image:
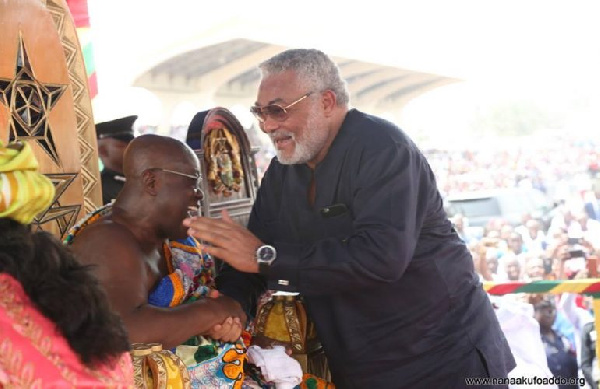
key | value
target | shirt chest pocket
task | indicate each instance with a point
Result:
(335, 221)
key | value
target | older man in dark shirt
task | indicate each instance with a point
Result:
(349, 215)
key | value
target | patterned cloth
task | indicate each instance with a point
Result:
(23, 191)
(310, 381)
(211, 364)
(33, 354)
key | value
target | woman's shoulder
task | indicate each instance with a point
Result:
(39, 355)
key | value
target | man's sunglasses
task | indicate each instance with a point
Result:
(197, 178)
(275, 111)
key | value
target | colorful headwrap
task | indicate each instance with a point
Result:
(23, 191)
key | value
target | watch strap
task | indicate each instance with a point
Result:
(264, 268)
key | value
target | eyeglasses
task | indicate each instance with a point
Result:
(197, 178)
(275, 111)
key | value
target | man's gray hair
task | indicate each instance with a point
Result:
(312, 66)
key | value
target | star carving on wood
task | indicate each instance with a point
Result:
(29, 102)
(64, 215)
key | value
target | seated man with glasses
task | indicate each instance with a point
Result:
(156, 277)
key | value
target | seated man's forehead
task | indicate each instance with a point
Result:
(183, 165)
(189, 159)
(194, 167)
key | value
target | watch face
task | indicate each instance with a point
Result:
(265, 254)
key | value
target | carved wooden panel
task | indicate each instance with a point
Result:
(44, 100)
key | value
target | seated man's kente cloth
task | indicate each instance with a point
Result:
(211, 364)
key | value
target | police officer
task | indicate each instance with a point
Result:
(113, 137)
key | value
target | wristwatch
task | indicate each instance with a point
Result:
(265, 255)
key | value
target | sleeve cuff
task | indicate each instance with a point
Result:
(283, 272)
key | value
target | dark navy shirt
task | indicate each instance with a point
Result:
(388, 283)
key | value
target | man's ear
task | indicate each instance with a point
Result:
(102, 152)
(329, 101)
(150, 182)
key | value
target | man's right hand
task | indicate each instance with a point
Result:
(229, 307)
(231, 328)
(229, 331)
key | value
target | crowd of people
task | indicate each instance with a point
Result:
(566, 247)
(555, 164)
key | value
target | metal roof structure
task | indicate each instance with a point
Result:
(227, 70)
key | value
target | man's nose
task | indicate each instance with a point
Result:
(269, 125)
